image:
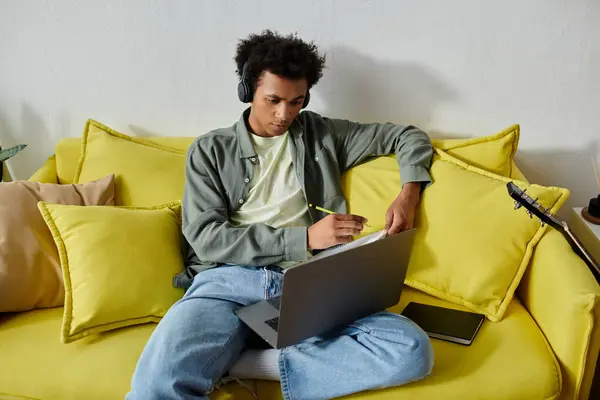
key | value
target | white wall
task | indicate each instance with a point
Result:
(465, 68)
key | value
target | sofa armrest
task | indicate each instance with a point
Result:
(47, 172)
(562, 295)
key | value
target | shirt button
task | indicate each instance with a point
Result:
(247, 180)
(316, 158)
(241, 201)
(253, 159)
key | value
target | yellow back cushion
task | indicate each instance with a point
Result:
(471, 247)
(68, 150)
(117, 263)
(494, 153)
(146, 173)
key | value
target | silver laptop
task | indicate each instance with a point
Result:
(322, 294)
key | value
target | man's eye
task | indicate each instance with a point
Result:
(272, 101)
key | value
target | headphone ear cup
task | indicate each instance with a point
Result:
(244, 92)
(244, 88)
(306, 100)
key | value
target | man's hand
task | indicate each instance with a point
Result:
(334, 229)
(400, 215)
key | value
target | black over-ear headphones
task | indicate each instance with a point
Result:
(244, 88)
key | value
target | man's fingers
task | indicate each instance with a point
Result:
(351, 217)
(345, 239)
(347, 232)
(342, 240)
(398, 226)
(389, 217)
(351, 224)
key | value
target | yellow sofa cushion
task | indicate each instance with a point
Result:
(68, 151)
(471, 247)
(146, 172)
(100, 366)
(488, 369)
(47, 173)
(562, 293)
(118, 264)
(494, 153)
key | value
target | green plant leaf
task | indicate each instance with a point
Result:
(8, 153)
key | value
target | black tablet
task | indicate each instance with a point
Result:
(445, 323)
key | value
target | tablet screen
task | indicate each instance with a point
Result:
(445, 323)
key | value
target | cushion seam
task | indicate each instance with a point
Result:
(83, 150)
(112, 325)
(590, 307)
(483, 139)
(511, 130)
(64, 264)
(556, 364)
(515, 145)
(20, 396)
(135, 140)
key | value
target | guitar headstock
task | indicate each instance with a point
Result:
(522, 199)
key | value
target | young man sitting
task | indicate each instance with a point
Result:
(246, 218)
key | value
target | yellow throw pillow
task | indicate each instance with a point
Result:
(118, 264)
(494, 153)
(146, 173)
(471, 247)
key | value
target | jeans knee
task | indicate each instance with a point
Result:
(420, 356)
(407, 354)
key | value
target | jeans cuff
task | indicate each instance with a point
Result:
(285, 388)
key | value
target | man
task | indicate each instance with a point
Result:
(246, 218)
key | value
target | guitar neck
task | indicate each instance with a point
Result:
(533, 207)
(580, 250)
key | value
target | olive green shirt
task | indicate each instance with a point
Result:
(219, 170)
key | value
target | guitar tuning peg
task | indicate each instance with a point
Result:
(530, 214)
(517, 205)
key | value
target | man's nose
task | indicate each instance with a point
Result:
(283, 111)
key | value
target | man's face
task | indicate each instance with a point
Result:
(277, 101)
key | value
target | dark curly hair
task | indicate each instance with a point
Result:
(286, 56)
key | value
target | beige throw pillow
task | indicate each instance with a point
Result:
(30, 274)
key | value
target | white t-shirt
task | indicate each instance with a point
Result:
(275, 197)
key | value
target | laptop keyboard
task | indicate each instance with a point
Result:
(273, 323)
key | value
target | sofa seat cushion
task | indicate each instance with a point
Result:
(508, 360)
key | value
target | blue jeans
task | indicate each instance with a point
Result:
(200, 338)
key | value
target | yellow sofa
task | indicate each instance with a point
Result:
(545, 347)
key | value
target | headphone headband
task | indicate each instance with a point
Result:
(245, 72)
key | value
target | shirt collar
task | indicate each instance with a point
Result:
(246, 149)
